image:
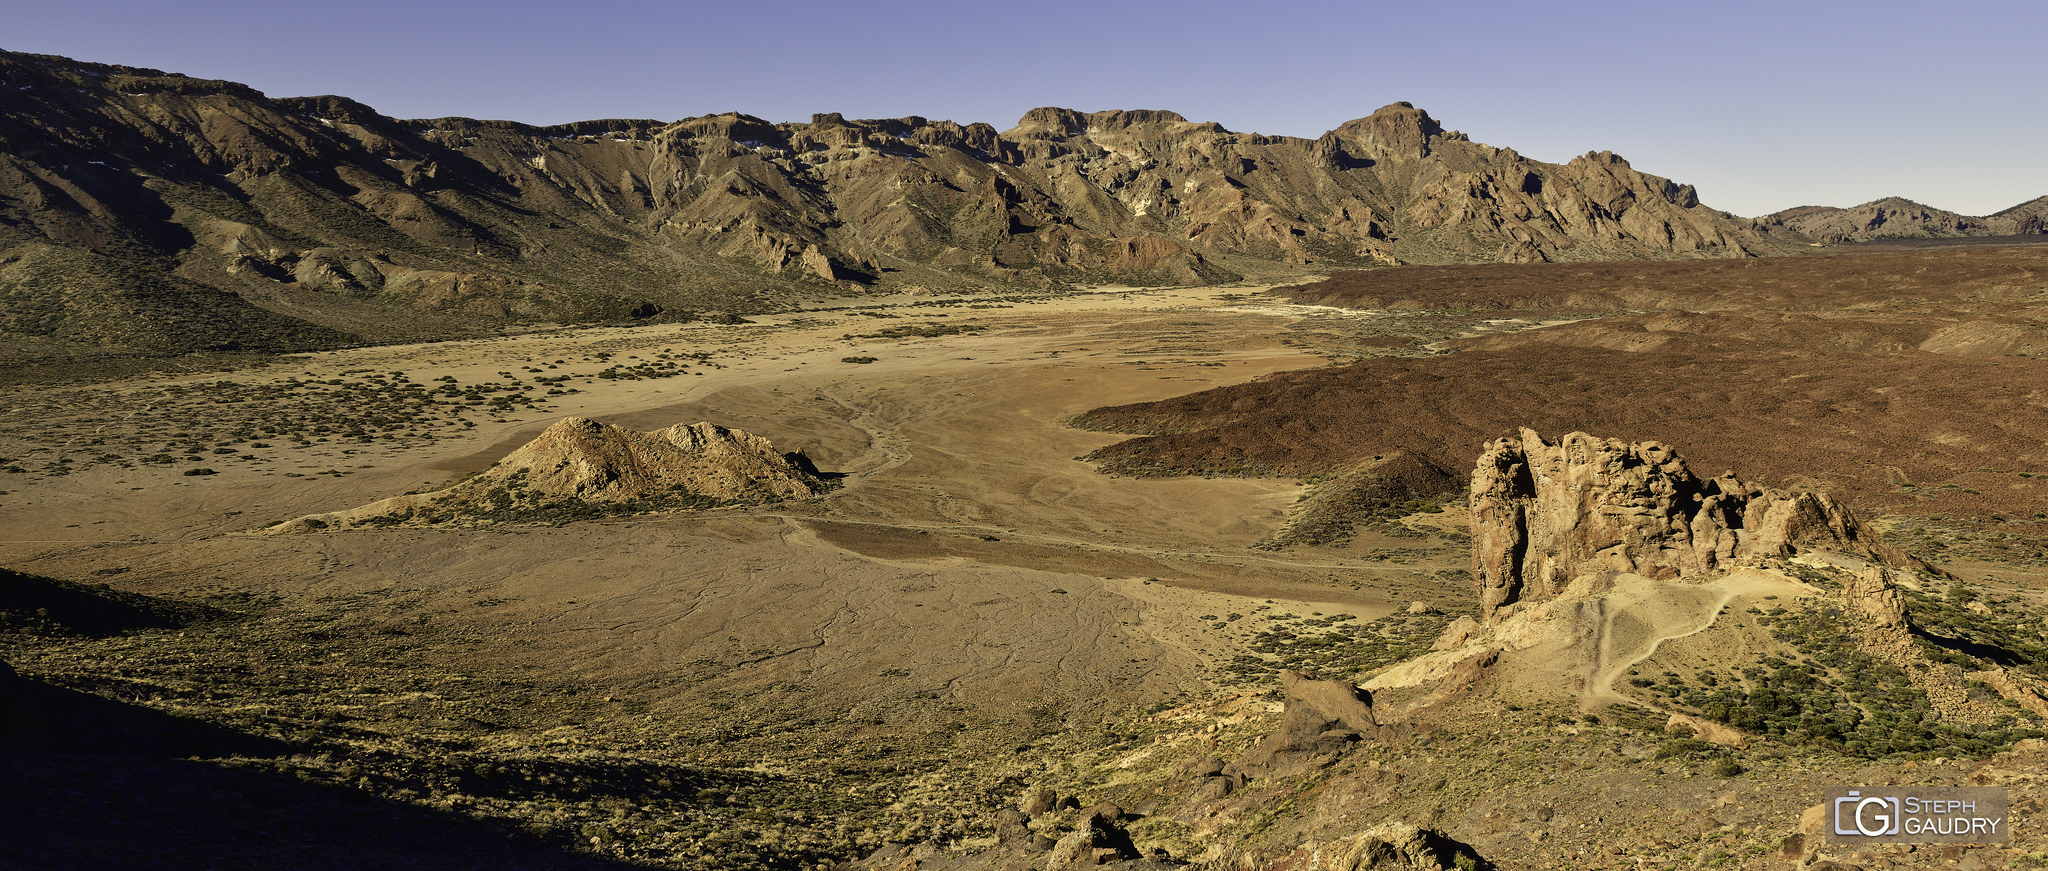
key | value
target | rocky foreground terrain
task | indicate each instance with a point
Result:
(1639, 648)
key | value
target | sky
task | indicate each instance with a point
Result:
(1762, 106)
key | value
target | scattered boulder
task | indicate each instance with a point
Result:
(1036, 804)
(1013, 833)
(1107, 810)
(579, 466)
(1457, 634)
(1322, 718)
(1205, 766)
(1392, 844)
(2027, 692)
(1793, 848)
(1210, 775)
(1099, 840)
(1546, 513)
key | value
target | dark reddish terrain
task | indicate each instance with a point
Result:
(1906, 381)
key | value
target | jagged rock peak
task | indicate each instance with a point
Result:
(1545, 513)
(1396, 130)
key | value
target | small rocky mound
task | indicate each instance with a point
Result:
(580, 467)
(1544, 514)
(1322, 719)
(1374, 492)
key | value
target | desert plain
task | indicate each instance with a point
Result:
(1073, 537)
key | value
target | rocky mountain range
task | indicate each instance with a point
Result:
(150, 212)
(1899, 218)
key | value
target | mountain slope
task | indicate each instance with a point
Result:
(148, 212)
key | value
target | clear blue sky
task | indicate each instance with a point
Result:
(1764, 106)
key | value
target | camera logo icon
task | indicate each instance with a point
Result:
(1869, 816)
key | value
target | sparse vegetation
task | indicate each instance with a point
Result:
(1329, 647)
(920, 331)
(1836, 695)
(394, 708)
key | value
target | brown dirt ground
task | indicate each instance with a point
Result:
(1833, 372)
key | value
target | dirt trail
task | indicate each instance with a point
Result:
(1641, 615)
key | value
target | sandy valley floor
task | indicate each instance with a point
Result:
(970, 552)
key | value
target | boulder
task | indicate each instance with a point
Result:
(1457, 634)
(1036, 803)
(1013, 833)
(1392, 844)
(1321, 719)
(1099, 840)
(1871, 597)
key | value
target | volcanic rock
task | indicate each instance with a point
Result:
(580, 466)
(1392, 844)
(1544, 514)
(1035, 803)
(1013, 832)
(1099, 840)
(1871, 597)
(1321, 719)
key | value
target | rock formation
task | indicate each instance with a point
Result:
(1544, 514)
(579, 466)
(1321, 719)
(1099, 839)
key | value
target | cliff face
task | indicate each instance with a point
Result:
(183, 214)
(1545, 513)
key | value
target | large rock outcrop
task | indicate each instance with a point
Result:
(579, 467)
(1545, 513)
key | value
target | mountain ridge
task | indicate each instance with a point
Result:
(144, 212)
